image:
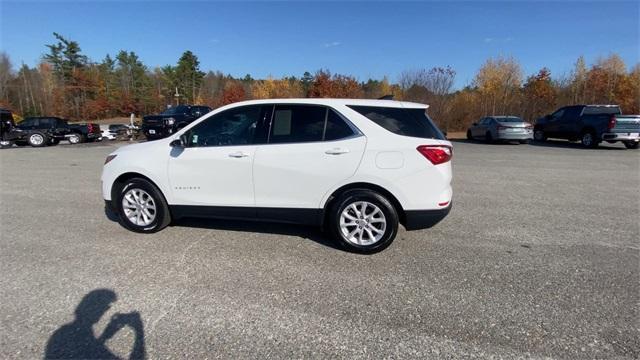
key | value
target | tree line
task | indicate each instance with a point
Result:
(67, 83)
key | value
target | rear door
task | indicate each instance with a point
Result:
(310, 149)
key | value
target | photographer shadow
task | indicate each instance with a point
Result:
(76, 340)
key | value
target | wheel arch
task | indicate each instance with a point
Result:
(368, 186)
(123, 178)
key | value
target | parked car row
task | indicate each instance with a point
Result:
(589, 124)
(50, 130)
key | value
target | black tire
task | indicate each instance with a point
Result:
(631, 144)
(588, 139)
(6, 144)
(37, 139)
(76, 138)
(539, 135)
(162, 216)
(352, 197)
(469, 136)
(488, 137)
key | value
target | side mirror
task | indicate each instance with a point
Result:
(177, 143)
(475, 124)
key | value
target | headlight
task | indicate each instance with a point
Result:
(171, 121)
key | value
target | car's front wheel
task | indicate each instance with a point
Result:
(363, 221)
(631, 144)
(142, 207)
(539, 135)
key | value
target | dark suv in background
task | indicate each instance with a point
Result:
(171, 120)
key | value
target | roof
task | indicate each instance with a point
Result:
(337, 102)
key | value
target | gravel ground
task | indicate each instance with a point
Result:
(538, 258)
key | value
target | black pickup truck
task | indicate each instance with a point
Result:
(591, 124)
(171, 120)
(47, 130)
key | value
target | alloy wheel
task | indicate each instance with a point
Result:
(139, 207)
(36, 139)
(362, 223)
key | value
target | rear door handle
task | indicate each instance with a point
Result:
(238, 154)
(337, 151)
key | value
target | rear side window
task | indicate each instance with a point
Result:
(306, 123)
(401, 121)
(597, 110)
(336, 128)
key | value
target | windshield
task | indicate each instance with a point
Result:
(510, 119)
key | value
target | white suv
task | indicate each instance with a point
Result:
(356, 167)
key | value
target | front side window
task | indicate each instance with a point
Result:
(232, 127)
(557, 115)
(401, 121)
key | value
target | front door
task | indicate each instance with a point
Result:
(215, 166)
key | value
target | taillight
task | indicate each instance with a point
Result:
(612, 122)
(528, 126)
(437, 154)
(90, 127)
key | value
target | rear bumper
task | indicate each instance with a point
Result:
(621, 136)
(516, 136)
(423, 219)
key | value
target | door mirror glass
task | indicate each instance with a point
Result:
(177, 143)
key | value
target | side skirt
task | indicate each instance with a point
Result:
(284, 215)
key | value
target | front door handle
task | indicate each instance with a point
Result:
(238, 154)
(337, 151)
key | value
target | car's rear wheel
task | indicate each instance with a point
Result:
(75, 138)
(142, 207)
(469, 136)
(363, 221)
(588, 139)
(37, 139)
(631, 144)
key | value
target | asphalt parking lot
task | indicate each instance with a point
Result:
(540, 257)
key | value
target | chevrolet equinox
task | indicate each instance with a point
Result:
(358, 168)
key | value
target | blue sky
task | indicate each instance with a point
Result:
(364, 39)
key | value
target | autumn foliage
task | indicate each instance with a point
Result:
(66, 83)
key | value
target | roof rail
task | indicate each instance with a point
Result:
(386, 97)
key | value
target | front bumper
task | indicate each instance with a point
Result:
(156, 132)
(423, 219)
(621, 136)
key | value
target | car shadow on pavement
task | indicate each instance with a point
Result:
(574, 145)
(549, 143)
(76, 340)
(306, 232)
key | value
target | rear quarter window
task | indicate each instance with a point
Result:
(401, 121)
